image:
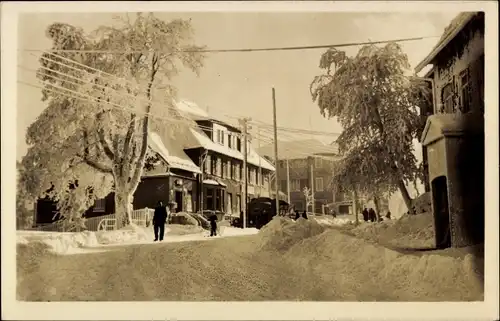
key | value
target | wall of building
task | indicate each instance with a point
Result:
(465, 51)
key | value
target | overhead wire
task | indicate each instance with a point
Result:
(348, 44)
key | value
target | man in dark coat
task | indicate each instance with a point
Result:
(159, 219)
(365, 214)
(213, 225)
(372, 215)
(297, 215)
(304, 215)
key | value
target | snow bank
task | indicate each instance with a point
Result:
(281, 233)
(60, 243)
(334, 221)
(408, 231)
(365, 270)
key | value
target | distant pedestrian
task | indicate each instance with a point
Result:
(213, 225)
(304, 215)
(159, 219)
(297, 215)
(371, 215)
(388, 215)
(365, 214)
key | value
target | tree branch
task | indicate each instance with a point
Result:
(145, 126)
(86, 159)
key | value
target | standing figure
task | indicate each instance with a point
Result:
(304, 215)
(388, 215)
(213, 225)
(159, 219)
(297, 215)
(371, 214)
(365, 214)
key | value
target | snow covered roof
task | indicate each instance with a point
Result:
(253, 158)
(191, 109)
(172, 153)
(450, 32)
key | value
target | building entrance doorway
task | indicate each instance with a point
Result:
(441, 212)
(179, 201)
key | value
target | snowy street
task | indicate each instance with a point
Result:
(286, 260)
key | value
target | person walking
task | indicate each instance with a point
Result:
(365, 214)
(371, 214)
(159, 219)
(213, 225)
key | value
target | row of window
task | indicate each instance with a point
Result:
(297, 185)
(215, 201)
(470, 86)
(319, 162)
(233, 141)
(227, 169)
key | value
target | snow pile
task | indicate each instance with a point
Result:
(234, 231)
(408, 231)
(333, 221)
(183, 219)
(282, 233)
(365, 271)
(61, 243)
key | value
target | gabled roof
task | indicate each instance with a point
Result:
(203, 141)
(171, 152)
(450, 32)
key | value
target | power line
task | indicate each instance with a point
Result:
(349, 44)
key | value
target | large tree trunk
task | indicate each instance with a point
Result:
(406, 196)
(355, 208)
(123, 208)
(376, 200)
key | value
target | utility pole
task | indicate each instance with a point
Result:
(276, 154)
(312, 186)
(261, 181)
(244, 122)
(288, 181)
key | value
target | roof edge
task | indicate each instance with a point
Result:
(443, 43)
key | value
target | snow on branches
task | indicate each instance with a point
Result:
(377, 104)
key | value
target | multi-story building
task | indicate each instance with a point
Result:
(453, 137)
(308, 164)
(456, 71)
(198, 165)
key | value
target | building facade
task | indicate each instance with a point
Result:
(218, 151)
(453, 137)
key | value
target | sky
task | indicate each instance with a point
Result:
(240, 84)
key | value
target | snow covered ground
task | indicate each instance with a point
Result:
(85, 242)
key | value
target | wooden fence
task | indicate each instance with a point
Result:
(106, 222)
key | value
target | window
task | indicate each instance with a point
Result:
(229, 206)
(209, 204)
(319, 184)
(219, 200)
(229, 172)
(238, 203)
(219, 167)
(253, 176)
(318, 162)
(237, 172)
(223, 172)
(447, 98)
(465, 90)
(238, 144)
(214, 165)
(99, 206)
(220, 136)
(208, 165)
(230, 141)
(295, 185)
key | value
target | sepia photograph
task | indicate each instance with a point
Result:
(250, 156)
